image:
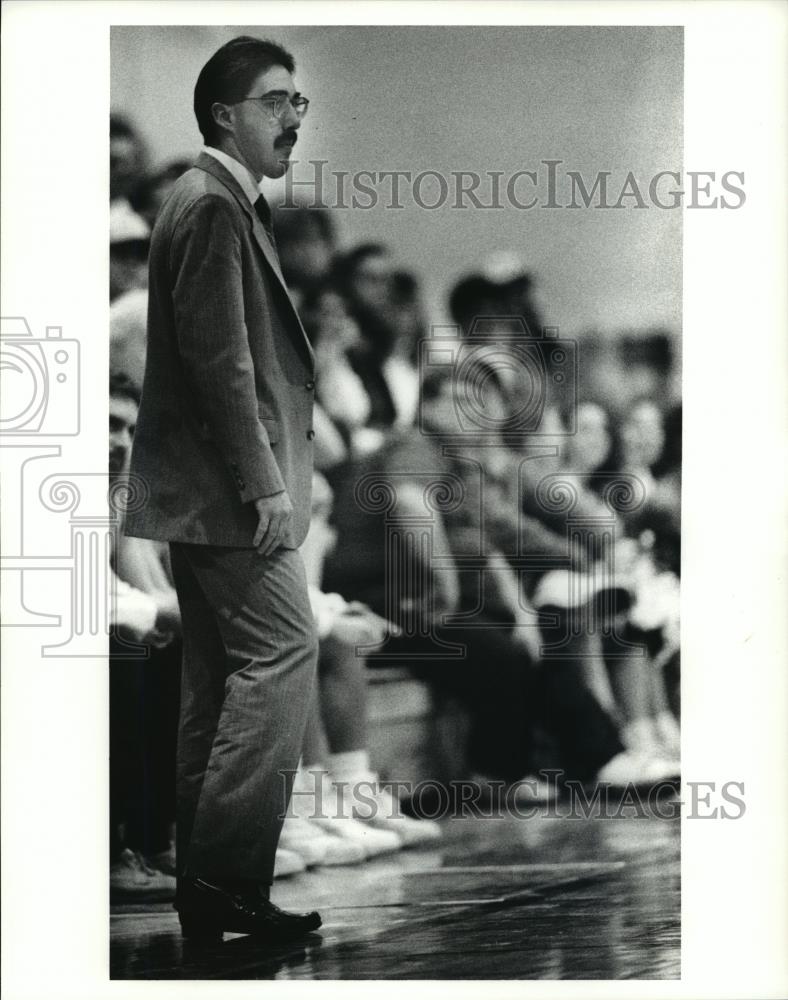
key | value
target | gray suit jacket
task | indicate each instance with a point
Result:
(226, 410)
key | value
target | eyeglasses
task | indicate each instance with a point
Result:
(280, 104)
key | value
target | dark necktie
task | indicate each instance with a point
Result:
(263, 212)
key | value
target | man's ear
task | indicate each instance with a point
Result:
(223, 116)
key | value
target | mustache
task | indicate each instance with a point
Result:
(289, 138)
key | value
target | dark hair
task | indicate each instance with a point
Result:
(312, 295)
(405, 287)
(478, 297)
(469, 297)
(121, 128)
(229, 73)
(142, 198)
(121, 385)
(433, 383)
(294, 223)
(670, 459)
(126, 167)
(653, 349)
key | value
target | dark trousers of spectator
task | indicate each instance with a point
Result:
(523, 716)
(143, 700)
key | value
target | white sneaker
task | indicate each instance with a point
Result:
(641, 737)
(530, 790)
(533, 790)
(132, 878)
(374, 842)
(316, 846)
(287, 863)
(164, 861)
(630, 768)
(384, 812)
(669, 733)
(317, 799)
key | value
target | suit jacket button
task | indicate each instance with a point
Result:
(310, 385)
(310, 434)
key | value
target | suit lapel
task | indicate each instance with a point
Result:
(212, 166)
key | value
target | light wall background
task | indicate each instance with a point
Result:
(483, 99)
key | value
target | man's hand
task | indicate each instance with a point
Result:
(274, 521)
(158, 638)
(168, 619)
(527, 637)
(358, 625)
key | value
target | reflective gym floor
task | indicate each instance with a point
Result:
(537, 898)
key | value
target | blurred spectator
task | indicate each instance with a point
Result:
(408, 313)
(330, 446)
(642, 447)
(497, 307)
(502, 289)
(647, 360)
(336, 762)
(128, 336)
(133, 614)
(617, 368)
(637, 447)
(642, 440)
(497, 515)
(471, 298)
(143, 683)
(654, 620)
(129, 241)
(306, 243)
(363, 276)
(383, 303)
(588, 449)
(669, 463)
(340, 392)
(647, 633)
(505, 689)
(491, 474)
(151, 191)
(127, 157)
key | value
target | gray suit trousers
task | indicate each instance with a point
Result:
(249, 660)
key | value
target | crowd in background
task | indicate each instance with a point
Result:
(566, 614)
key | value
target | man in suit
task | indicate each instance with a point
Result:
(224, 444)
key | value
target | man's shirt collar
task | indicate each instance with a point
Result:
(248, 184)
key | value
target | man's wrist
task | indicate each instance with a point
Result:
(268, 496)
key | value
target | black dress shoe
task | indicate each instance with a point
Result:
(207, 910)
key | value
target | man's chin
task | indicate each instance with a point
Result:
(282, 165)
